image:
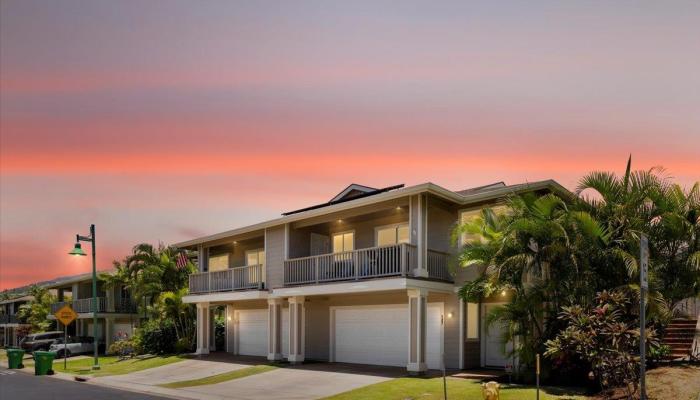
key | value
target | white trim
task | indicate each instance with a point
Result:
(462, 333)
(226, 296)
(363, 287)
(264, 267)
(393, 194)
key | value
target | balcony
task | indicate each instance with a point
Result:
(369, 263)
(124, 306)
(8, 319)
(239, 278)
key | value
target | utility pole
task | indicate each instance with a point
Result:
(643, 287)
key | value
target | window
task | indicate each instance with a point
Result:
(393, 234)
(218, 263)
(470, 215)
(472, 320)
(343, 241)
(255, 257)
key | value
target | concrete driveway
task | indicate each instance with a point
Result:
(308, 381)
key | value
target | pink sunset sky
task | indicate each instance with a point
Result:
(165, 120)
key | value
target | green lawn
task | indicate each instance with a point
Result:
(210, 380)
(110, 365)
(431, 389)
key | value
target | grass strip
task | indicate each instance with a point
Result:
(111, 365)
(227, 376)
(431, 389)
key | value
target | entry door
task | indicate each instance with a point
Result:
(493, 343)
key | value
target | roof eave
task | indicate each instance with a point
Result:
(406, 191)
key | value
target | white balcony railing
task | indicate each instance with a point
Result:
(438, 267)
(373, 262)
(82, 305)
(246, 277)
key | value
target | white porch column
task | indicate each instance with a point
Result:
(417, 326)
(462, 333)
(297, 330)
(274, 329)
(418, 223)
(202, 328)
(109, 332)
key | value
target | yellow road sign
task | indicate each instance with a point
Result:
(66, 315)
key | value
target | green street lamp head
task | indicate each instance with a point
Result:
(77, 250)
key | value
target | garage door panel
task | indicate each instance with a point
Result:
(379, 335)
(252, 332)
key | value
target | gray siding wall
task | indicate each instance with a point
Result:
(274, 256)
(441, 221)
(237, 251)
(364, 232)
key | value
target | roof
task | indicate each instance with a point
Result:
(484, 193)
(17, 299)
(351, 192)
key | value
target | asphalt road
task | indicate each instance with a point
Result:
(22, 386)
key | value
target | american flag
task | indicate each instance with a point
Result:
(182, 260)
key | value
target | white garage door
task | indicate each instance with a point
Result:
(378, 335)
(252, 332)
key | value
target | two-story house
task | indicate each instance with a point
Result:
(116, 309)
(9, 323)
(364, 278)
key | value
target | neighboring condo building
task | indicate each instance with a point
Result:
(116, 308)
(10, 324)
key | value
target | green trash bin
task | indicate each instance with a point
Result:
(43, 362)
(14, 358)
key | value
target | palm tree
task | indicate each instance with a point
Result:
(150, 271)
(170, 306)
(647, 202)
(538, 250)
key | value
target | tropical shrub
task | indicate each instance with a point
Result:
(124, 348)
(36, 311)
(604, 338)
(169, 306)
(158, 337)
(659, 354)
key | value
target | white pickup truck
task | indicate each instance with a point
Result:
(76, 345)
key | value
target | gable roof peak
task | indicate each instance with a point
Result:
(351, 191)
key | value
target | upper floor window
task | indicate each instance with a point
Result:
(470, 215)
(255, 257)
(343, 241)
(218, 262)
(392, 234)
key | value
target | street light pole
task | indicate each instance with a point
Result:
(78, 251)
